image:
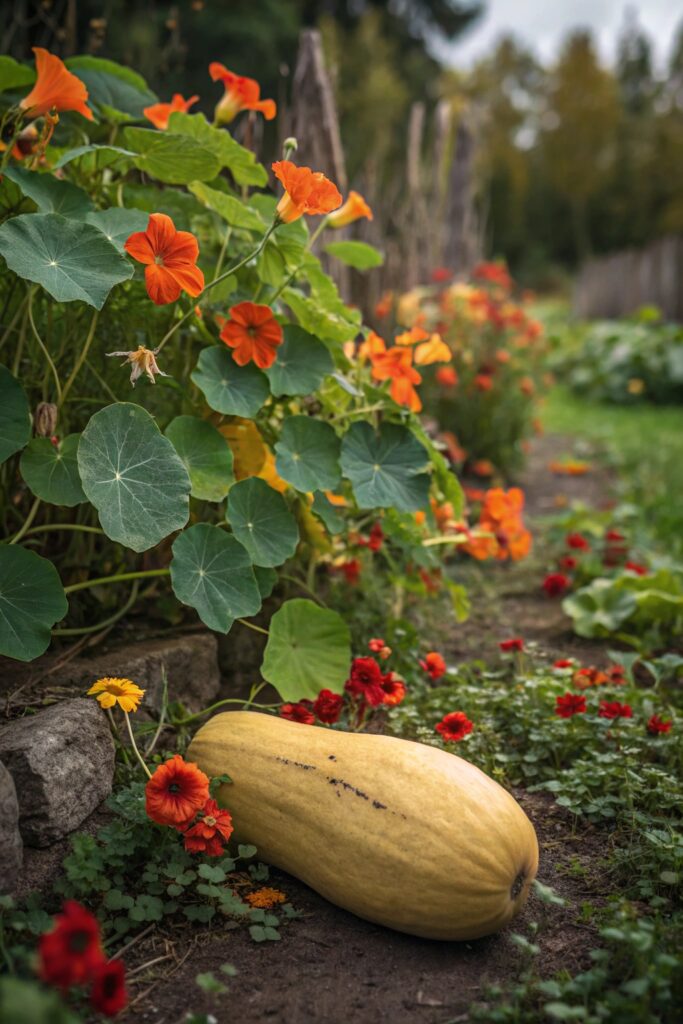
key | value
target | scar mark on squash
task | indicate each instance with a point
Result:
(347, 785)
(297, 764)
(379, 806)
(331, 757)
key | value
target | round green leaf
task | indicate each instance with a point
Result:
(118, 224)
(228, 388)
(262, 522)
(206, 455)
(51, 471)
(31, 601)
(69, 259)
(212, 573)
(15, 415)
(308, 650)
(388, 469)
(308, 454)
(50, 194)
(356, 254)
(300, 365)
(133, 476)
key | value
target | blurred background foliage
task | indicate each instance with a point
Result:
(574, 158)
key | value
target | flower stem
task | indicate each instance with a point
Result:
(135, 746)
(250, 625)
(119, 578)
(81, 358)
(117, 734)
(27, 522)
(220, 704)
(48, 357)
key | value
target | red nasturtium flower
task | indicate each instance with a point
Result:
(159, 113)
(299, 712)
(71, 951)
(567, 562)
(515, 643)
(108, 994)
(353, 209)
(454, 726)
(210, 832)
(365, 681)
(556, 583)
(564, 663)
(394, 689)
(253, 333)
(240, 94)
(56, 88)
(176, 791)
(577, 541)
(613, 709)
(447, 377)
(637, 568)
(170, 259)
(306, 191)
(351, 570)
(433, 664)
(570, 704)
(657, 725)
(327, 706)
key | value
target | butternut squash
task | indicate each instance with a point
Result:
(399, 833)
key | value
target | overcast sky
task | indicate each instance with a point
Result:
(543, 23)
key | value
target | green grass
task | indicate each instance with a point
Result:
(646, 444)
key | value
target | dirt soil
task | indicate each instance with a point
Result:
(333, 968)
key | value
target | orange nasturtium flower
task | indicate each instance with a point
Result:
(353, 209)
(170, 258)
(112, 691)
(176, 791)
(56, 88)
(240, 94)
(396, 365)
(159, 113)
(433, 351)
(253, 333)
(412, 336)
(306, 191)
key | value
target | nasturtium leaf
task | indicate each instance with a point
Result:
(14, 75)
(308, 454)
(133, 476)
(212, 573)
(175, 159)
(69, 259)
(31, 601)
(329, 513)
(300, 365)
(119, 92)
(308, 650)
(101, 156)
(261, 521)
(266, 580)
(359, 255)
(205, 454)
(228, 388)
(315, 317)
(118, 224)
(387, 469)
(51, 470)
(50, 194)
(240, 161)
(15, 415)
(233, 211)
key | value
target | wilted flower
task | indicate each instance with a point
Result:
(142, 360)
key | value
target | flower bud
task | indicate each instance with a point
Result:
(45, 419)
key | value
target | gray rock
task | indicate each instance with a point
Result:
(62, 763)
(11, 846)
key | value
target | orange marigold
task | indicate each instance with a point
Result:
(56, 88)
(306, 191)
(265, 898)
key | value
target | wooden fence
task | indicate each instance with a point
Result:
(617, 285)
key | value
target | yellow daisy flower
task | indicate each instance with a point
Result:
(117, 691)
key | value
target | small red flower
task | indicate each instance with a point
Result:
(577, 542)
(637, 568)
(454, 726)
(567, 562)
(616, 675)
(483, 382)
(170, 259)
(570, 704)
(176, 791)
(556, 583)
(253, 333)
(108, 994)
(71, 951)
(446, 376)
(657, 725)
(300, 712)
(613, 709)
(365, 681)
(515, 643)
(564, 663)
(210, 832)
(351, 571)
(327, 706)
(394, 689)
(376, 644)
(614, 536)
(376, 537)
(434, 664)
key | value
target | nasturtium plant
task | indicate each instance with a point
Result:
(238, 424)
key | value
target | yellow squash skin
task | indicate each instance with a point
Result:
(399, 833)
